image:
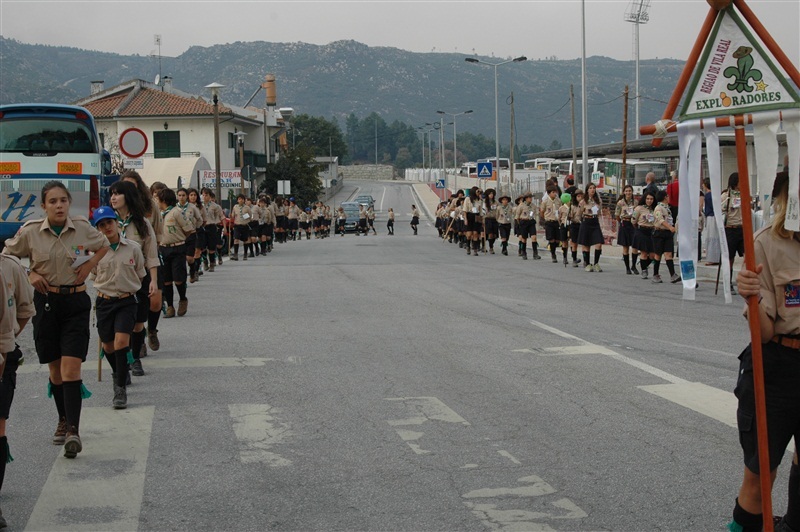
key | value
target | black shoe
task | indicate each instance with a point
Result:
(504, 252)
(634, 270)
(136, 368)
(120, 401)
(628, 271)
(128, 378)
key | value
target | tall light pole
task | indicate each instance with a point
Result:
(240, 145)
(215, 88)
(496, 115)
(455, 143)
(637, 14)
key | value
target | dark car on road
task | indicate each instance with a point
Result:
(351, 209)
(366, 201)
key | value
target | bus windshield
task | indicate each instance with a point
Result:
(45, 135)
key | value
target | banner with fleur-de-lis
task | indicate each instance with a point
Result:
(736, 74)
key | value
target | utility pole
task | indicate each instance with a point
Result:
(511, 149)
(623, 179)
(574, 147)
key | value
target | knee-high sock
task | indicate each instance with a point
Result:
(634, 257)
(597, 253)
(72, 404)
(137, 341)
(792, 516)
(3, 459)
(627, 260)
(586, 258)
(181, 290)
(121, 355)
(168, 295)
(112, 361)
(152, 320)
(748, 522)
(670, 266)
(58, 398)
(656, 266)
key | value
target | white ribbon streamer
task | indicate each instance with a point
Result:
(791, 124)
(765, 138)
(715, 177)
(690, 145)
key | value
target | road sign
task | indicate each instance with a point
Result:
(133, 164)
(484, 170)
(284, 187)
(440, 183)
(133, 142)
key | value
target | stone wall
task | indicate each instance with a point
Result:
(367, 171)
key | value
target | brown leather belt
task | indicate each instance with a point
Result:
(786, 341)
(66, 290)
(101, 295)
(176, 244)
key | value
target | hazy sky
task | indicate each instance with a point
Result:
(535, 28)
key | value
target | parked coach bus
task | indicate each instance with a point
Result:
(40, 143)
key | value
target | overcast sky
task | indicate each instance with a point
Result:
(535, 28)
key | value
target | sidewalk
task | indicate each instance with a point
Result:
(612, 254)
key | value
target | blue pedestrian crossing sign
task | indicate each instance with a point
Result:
(440, 183)
(484, 170)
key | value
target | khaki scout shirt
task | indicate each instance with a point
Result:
(293, 213)
(192, 214)
(52, 255)
(526, 211)
(415, 212)
(472, 207)
(643, 217)
(780, 279)
(268, 215)
(662, 214)
(214, 214)
(563, 214)
(176, 227)
(16, 300)
(146, 242)
(255, 213)
(574, 214)
(732, 208)
(241, 214)
(491, 211)
(589, 208)
(550, 208)
(121, 271)
(505, 213)
(624, 210)
(155, 220)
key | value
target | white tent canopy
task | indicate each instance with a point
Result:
(168, 170)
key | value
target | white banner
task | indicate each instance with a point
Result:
(715, 177)
(690, 144)
(765, 140)
(791, 124)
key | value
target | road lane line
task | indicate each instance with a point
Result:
(707, 400)
(101, 489)
(175, 363)
(647, 368)
(509, 456)
(258, 430)
(427, 409)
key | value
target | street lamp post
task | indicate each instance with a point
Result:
(240, 146)
(455, 145)
(496, 115)
(215, 88)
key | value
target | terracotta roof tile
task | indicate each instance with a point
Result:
(105, 107)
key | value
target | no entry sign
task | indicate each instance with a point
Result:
(133, 142)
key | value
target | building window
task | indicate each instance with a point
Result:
(166, 144)
(231, 140)
(103, 140)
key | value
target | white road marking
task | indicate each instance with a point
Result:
(89, 367)
(707, 400)
(509, 456)
(383, 196)
(647, 368)
(685, 346)
(410, 436)
(257, 430)
(535, 487)
(101, 489)
(428, 409)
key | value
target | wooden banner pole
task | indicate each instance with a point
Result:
(765, 476)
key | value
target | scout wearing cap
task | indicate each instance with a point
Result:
(57, 246)
(241, 229)
(117, 278)
(549, 212)
(563, 224)
(173, 251)
(505, 216)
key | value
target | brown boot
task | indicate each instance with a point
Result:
(72, 443)
(183, 306)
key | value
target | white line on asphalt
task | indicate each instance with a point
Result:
(695, 348)
(383, 196)
(509, 456)
(171, 363)
(616, 356)
(426, 409)
(101, 489)
(258, 430)
(707, 400)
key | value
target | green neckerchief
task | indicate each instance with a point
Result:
(164, 212)
(57, 229)
(123, 224)
(114, 246)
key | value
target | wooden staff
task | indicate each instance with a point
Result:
(452, 221)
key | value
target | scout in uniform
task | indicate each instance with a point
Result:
(214, 218)
(200, 255)
(255, 221)
(193, 216)
(153, 214)
(133, 225)
(117, 278)
(280, 219)
(371, 219)
(644, 220)
(16, 308)
(549, 212)
(265, 226)
(292, 216)
(623, 213)
(505, 216)
(563, 224)
(321, 218)
(732, 215)
(241, 228)
(304, 216)
(362, 221)
(390, 221)
(473, 207)
(59, 266)
(575, 225)
(414, 218)
(173, 250)
(526, 214)
(663, 239)
(591, 235)
(776, 283)
(490, 219)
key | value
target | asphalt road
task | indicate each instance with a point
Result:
(394, 383)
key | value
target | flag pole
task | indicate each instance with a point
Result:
(753, 319)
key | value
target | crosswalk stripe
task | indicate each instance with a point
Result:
(173, 363)
(707, 400)
(103, 488)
